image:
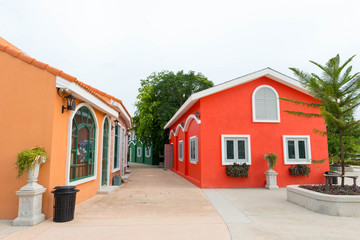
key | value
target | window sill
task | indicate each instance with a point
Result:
(194, 162)
(115, 170)
(295, 163)
(267, 121)
(230, 163)
(81, 181)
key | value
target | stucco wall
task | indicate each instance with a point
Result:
(26, 120)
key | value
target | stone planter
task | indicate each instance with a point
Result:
(30, 201)
(271, 182)
(335, 205)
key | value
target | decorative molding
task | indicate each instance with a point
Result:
(184, 128)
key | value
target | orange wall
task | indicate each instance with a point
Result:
(230, 112)
(26, 120)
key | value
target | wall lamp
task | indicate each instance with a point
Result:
(116, 122)
(70, 99)
(197, 114)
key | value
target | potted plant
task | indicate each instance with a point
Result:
(271, 182)
(237, 170)
(271, 159)
(30, 160)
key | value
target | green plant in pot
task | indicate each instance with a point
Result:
(271, 159)
(30, 159)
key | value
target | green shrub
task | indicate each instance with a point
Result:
(27, 159)
(352, 162)
(237, 170)
(271, 158)
(299, 170)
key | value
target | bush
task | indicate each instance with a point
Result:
(237, 170)
(299, 170)
(352, 162)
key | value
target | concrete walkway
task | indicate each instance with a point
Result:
(154, 204)
(158, 204)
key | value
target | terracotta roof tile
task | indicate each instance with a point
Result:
(26, 58)
(16, 52)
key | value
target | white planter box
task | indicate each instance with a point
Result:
(335, 205)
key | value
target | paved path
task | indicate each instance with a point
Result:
(158, 204)
(154, 204)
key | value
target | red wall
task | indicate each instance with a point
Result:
(190, 171)
(230, 112)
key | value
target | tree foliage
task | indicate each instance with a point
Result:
(338, 92)
(160, 96)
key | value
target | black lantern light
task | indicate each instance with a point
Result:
(116, 122)
(197, 114)
(70, 99)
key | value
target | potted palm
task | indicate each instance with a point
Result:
(270, 173)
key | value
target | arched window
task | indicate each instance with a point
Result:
(265, 104)
(105, 153)
(82, 160)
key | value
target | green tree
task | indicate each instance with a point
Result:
(160, 96)
(338, 95)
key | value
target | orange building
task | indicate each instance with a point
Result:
(240, 121)
(87, 146)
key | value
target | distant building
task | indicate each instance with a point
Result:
(140, 153)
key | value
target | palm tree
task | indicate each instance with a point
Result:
(338, 95)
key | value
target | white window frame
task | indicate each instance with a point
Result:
(118, 152)
(254, 105)
(225, 137)
(138, 153)
(147, 151)
(196, 141)
(181, 158)
(286, 138)
(69, 142)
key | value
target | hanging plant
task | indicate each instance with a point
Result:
(237, 170)
(299, 170)
(28, 158)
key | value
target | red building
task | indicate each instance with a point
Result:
(240, 121)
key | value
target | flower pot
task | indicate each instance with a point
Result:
(33, 173)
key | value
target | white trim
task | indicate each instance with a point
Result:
(68, 155)
(223, 148)
(254, 106)
(196, 149)
(101, 151)
(308, 150)
(130, 154)
(83, 95)
(148, 155)
(186, 125)
(123, 111)
(137, 151)
(183, 151)
(118, 168)
(267, 72)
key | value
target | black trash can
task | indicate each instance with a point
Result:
(334, 179)
(64, 207)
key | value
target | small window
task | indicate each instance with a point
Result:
(265, 102)
(193, 150)
(147, 151)
(297, 149)
(181, 150)
(235, 148)
(139, 151)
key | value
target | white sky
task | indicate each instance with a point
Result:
(111, 45)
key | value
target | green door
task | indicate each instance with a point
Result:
(105, 151)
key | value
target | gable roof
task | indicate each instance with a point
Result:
(14, 51)
(266, 72)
